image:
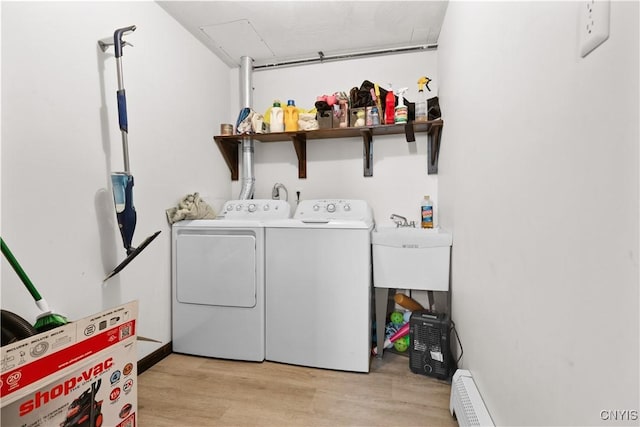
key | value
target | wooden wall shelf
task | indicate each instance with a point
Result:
(228, 144)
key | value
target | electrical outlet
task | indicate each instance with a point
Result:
(594, 24)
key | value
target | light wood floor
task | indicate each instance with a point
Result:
(194, 391)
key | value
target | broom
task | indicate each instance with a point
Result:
(48, 319)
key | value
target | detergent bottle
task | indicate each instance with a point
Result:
(402, 111)
(389, 107)
(291, 116)
(426, 212)
(276, 121)
(421, 104)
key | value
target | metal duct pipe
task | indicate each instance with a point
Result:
(246, 98)
(340, 57)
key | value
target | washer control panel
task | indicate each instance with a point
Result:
(333, 209)
(256, 209)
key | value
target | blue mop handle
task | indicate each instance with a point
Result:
(122, 99)
(122, 111)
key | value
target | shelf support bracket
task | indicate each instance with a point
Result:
(367, 152)
(300, 144)
(433, 149)
(229, 150)
(409, 132)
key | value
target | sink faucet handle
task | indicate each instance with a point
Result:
(399, 220)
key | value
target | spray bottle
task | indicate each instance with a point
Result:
(402, 111)
(389, 107)
(421, 104)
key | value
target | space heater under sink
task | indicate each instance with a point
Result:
(429, 347)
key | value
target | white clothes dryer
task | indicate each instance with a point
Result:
(318, 286)
(218, 281)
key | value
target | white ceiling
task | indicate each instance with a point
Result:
(285, 31)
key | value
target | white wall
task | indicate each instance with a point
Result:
(60, 142)
(335, 166)
(539, 182)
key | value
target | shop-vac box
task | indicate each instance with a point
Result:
(411, 258)
(83, 373)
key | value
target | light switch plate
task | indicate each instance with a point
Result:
(594, 24)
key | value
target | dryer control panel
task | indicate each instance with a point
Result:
(256, 209)
(333, 209)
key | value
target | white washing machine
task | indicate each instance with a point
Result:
(318, 286)
(218, 281)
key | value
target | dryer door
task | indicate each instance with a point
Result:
(216, 267)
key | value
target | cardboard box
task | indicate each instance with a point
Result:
(82, 373)
(325, 119)
(353, 116)
(340, 116)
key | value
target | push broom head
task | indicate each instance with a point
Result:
(48, 321)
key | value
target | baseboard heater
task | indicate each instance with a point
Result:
(466, 403)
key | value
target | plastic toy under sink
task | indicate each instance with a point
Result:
(411, 258)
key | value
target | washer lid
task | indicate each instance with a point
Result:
(218, 223)
(332, 223)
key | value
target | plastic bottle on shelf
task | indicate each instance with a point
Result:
(389, 107)
(375, 116)
(402, 111)
(421, 104)
(426, 213)
(291, 116)
(277, 117)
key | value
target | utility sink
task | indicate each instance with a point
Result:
(407, 258)
(411, 258)
(391, 235)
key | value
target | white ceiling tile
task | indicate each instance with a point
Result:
(285, 30)
(238, 38)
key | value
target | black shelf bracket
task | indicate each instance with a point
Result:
(300, 144)
(433, 149)
(229, 149)
(367, 151)
(409, 133)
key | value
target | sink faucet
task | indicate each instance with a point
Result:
(401, 221)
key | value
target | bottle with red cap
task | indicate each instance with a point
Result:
(389, 107)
